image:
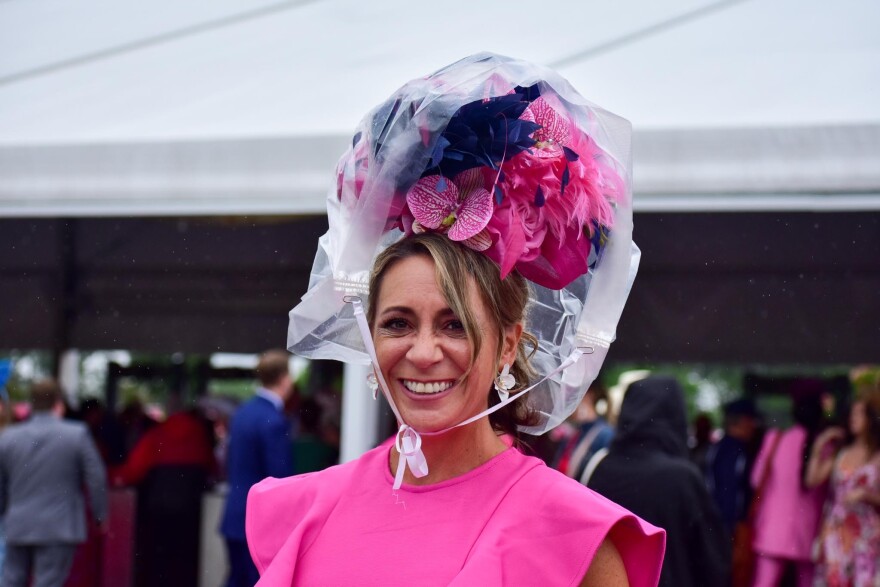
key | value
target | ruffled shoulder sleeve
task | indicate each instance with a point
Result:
(284, 516)
(551, 526)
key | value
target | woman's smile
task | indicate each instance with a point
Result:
(431, 388)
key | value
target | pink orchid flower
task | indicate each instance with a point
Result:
(555, 131)
(461, 208)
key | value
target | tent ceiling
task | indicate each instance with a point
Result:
(235, 108)
(118, 72)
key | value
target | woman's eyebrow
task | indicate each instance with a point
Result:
(396, 310)
(445, 312)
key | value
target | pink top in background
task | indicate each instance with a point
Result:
(511, 521)
(788, 515)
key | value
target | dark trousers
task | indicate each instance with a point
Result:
(49, 564)
(168, 525)
(242, 571)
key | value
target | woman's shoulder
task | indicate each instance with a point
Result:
(572, 504)
(566, 523)
(280, 508)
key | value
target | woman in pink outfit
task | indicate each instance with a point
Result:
(788, 514)
(849, 542)
(457, 192)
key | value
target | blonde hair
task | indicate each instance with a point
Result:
(456, 267)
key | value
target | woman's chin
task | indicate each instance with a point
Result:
(423, 421)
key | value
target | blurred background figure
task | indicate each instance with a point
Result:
(135, 422)
(591, 433)
(218, 411)
(312, 450)
(108, 435)
(728, 462)
(700, 440)
(787, 514)
(849, 541)
(45, 465)
(259, 446)
(647, 470)
(172, 466)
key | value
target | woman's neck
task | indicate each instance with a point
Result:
(454, 453)
(862, 443)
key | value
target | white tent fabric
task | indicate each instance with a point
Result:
(116, 108)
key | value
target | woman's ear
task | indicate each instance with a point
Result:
(510, 343)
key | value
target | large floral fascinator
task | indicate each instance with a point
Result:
(508, 159)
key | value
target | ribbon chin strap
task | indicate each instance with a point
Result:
(408, 441)
(409, 446)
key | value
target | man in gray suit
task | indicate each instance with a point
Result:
(44, 463)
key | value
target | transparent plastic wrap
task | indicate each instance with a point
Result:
(370, 205)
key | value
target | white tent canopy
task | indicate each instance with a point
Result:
(119, 108)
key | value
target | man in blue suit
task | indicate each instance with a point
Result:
(259, 447)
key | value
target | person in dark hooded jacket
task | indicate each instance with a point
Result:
(647, 470)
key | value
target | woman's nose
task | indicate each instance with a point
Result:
(424, 350)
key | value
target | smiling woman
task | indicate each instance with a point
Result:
(477, 180)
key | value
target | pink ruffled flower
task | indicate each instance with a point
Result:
(521, 240)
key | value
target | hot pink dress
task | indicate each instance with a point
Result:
(511, 521)
(788, 515)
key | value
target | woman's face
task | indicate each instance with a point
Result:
(857, 418)
(423, 349)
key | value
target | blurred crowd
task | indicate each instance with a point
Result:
(744, 503)
(747, 504)
(171, 456)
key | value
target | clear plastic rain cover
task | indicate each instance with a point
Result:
(519, 166)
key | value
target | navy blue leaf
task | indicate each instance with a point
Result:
(385, 117)
(566, 178)
(483, 134)
(439, 148)
(499, 195)
(530, 93)
(570, 155)
(539, 197)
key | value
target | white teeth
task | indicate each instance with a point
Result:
(427, 388)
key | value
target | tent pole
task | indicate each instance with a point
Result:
(360, 414)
